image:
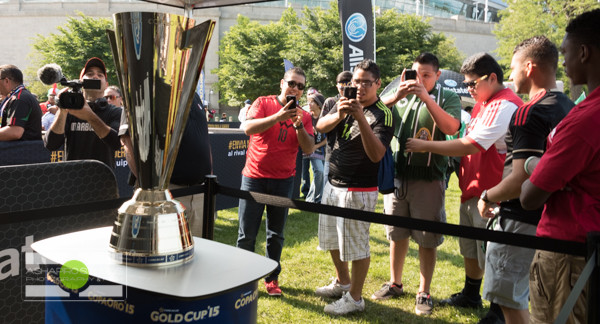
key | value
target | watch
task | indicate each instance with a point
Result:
(299, 126)
(484, 197)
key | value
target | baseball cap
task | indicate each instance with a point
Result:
(248, 102)
(94, 61)
(52, 92)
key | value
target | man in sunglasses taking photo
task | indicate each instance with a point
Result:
(483, 150)
(276, 126)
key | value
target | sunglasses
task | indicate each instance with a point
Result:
(294, 84)
(111, 97)
(474, 83)
(363, 83)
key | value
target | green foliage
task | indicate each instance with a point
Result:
(78, 40)
(524, 19)
(251, 58)
(251, 55)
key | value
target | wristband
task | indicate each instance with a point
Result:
(484, 197)
(299, 126)
(526, 165)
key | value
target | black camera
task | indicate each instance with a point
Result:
(410, 74)
(350, 92)
(73, 98)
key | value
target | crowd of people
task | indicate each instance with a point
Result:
(530, 168)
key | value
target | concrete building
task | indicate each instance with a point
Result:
(469, 22)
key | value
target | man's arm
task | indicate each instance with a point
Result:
(327, 123)
(55, 138)
(457, 147)
(533, 197)
(371, 143)
(11, 133)
(509, 188)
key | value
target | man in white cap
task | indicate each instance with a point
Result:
(49, 108)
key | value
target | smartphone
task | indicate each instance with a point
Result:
(410, 74)
(292, 99)
(350, 92)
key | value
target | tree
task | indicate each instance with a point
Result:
(524, 19)
(73, 44)
(251, 60)
(314, 42)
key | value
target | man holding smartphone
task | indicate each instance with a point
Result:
(421, 109)
(359, 131)
(276, 130)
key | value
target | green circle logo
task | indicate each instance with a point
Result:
(74, 274)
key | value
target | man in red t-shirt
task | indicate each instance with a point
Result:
(566, 179)
(276, 127)
(483, 150)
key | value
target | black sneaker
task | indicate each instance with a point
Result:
(490, 318)
(388, 290)
(424, 304)
(461, 300)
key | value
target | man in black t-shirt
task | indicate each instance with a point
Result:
(89, 132)
(21, 113)
(359, 131)
(533, 68)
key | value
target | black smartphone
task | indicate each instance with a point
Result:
(292, 99)
(410, 74)
(350, 92)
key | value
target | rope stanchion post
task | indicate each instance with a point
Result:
(593, 295)
(210, 202)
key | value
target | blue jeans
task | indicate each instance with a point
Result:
(316, 187)
(250, 215)
(305, 187)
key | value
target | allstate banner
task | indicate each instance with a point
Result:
(358, 31)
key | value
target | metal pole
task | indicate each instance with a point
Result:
(210, 198)
(593, 294)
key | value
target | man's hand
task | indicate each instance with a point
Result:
(53, 109)
(486, 210)
(285, 113)
(415, 145)
(85, 113)
(351, 107)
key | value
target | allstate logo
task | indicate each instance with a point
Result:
(356, 27)
(451, 83)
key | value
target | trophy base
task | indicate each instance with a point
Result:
(151, 230)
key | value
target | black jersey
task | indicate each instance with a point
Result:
(350, 167)
(529, 127)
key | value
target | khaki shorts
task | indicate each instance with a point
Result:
(349, 236)
(469, 216)
(551, 278)
(423, 200)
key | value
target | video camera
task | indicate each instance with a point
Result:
(72, 98)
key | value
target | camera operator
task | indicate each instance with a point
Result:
(92, 131)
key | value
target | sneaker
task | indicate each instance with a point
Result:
(333, 290)
(387, 291)
(424, 304)
(490, 318)
(461, 300)
(345, 305)
(273, 288)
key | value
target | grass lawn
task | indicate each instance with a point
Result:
(304, 268)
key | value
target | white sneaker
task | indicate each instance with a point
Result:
(333, 290)
(345, 305)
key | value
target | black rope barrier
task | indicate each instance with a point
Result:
(527, 241)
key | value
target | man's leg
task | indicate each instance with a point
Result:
(316, 187)
(515, 316)
(250, 215)
(360, 268)
(275, 223)
(427, 258)
(398, 251)
(341, 268)
(305, 187)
